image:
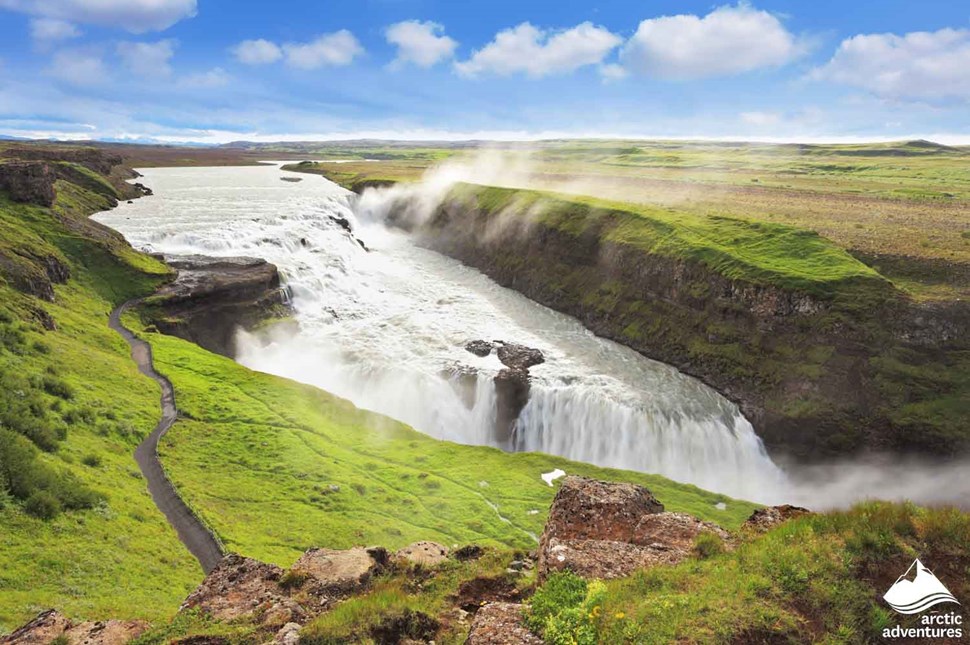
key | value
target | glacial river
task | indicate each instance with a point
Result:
(385, 328)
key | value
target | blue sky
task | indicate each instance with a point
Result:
(217, 70)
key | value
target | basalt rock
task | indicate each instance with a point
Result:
(608, 530)
(212, 297)
(512, 385)
(51, 625)
(31, 182)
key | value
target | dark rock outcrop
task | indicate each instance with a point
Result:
(608, 530)
(212, 297)
(239, 588)
(28, 181)
(512, 384)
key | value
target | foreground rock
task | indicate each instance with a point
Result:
(340, 572)
(212, 297)
(500, 623)
(52, 625)
(512, 384)
(765, 519)
(239, 588)
(605, 530)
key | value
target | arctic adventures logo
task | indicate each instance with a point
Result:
(913, 596)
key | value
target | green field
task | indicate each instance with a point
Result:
(902, 208)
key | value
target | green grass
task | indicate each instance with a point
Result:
(755, 252)
(119, 558)
(257, 454)
(819, 578)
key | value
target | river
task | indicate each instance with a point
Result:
(385, 328)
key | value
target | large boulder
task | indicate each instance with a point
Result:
(608, 530)
(500, 623)
(423, 554)
(241, 587)
(340, 572)
(50, 625)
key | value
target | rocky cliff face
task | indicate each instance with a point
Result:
(28, 181)
(817, 376)
(212, 297)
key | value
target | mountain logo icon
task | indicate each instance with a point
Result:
(919, 594)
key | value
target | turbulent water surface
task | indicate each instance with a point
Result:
(385, 328)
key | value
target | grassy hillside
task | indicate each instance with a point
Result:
(276, 467)
(819, 578)
(80, 531)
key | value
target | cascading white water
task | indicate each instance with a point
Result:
(387, 328)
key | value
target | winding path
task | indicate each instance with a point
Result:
(193, 533)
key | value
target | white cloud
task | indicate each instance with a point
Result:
(336, 49)
(257, 52)
(920, 65)
(136, 16)
(78, 68)
(215, 77)
(729, 40)
(420, 43)
(538, 52)
(46, 31)
(148, 59)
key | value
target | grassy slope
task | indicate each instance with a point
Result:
(903, 207)
(259, 453)
(815, 579)
(121, 558)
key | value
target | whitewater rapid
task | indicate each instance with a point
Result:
(386, 328)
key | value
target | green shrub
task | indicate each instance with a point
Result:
(93, 461)
(566, 610)
(292, 580)
(57, 387)
(707, 545)
(43, 505)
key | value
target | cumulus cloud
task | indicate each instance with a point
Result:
(257, 52)
(420, 43)
(729, 40)
(332, 50)
(537, 52)
(918, 66)
(78, 68)
(136, 16)
(613, 72)
(46, 31)
(148, 59)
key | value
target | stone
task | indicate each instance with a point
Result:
(764, 519)
(423, 554)
(51, 624)
(239, 587)
(340, 572)
(500, 623)
(608, 530)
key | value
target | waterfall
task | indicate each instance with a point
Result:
(386, 329)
